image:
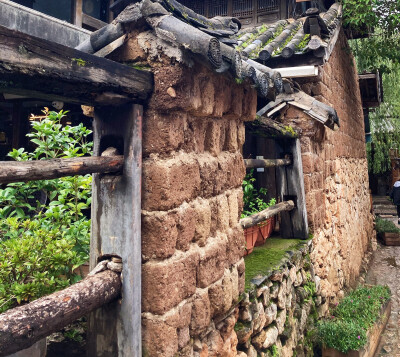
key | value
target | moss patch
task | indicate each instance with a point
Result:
(268, 257)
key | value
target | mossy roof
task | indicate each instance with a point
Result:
(286, 38)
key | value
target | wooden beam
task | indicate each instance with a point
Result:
(43, 69)
(22, 326)
(17, 171)
(269, 128)
(265, 214)
(116, 229)
(290, 186)
(258, 163)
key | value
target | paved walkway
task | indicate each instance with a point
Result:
(384, 269)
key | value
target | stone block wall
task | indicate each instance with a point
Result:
(335, 174)
(279, 309)
(192, 243)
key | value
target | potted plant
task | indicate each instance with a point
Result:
(387, 231)
(253, 202)
(356, 323)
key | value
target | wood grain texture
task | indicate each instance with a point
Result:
(22, 326)
(265, 214)
(54, 168)
(256, 163)
(116, 230)
(43, 69)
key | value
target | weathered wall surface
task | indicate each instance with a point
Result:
(276, 313)
(192, 243)
(335, 174)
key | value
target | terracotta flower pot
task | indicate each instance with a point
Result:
(251, 234)
(266, 228)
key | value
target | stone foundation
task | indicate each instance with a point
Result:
(336, 175)
(280, 307)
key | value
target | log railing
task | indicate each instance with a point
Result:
(22, 326)
(12, 171)
(259, 163)
(254, 219)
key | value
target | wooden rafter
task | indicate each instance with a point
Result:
(43, 69)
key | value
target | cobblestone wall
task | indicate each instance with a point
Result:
(282, 305)
(335, 175)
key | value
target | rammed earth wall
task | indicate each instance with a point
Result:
(192, 245)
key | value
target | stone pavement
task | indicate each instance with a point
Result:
(384, 269)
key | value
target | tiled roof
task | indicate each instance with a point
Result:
(286, 38)
(219, 42)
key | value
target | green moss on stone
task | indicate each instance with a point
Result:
(268, 257)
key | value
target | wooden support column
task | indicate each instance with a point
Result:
(116, 230)
(290, 186)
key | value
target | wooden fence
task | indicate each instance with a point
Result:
(38, 68)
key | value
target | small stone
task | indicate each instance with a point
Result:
(280, 321)
(259, 318)
(171, 92)
(282, 296)
(270, 314)
(276, 276)
(274, 291)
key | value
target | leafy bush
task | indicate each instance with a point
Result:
(44, 233)
(253, 201)
(385, 226)
(347, 328)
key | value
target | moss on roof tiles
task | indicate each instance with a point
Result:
(288, 39)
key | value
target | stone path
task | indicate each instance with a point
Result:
(384, 269)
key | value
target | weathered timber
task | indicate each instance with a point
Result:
(268, 128)
(22, 326)
(54, 168)
(265, 214)
(43, 69)
(116, 230)
(258, 163)
(190, 37)
(290, 186)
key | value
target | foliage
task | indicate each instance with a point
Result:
(385, 124)
(347, 328)
(385, 226)
(41, 260)
(253, 201)
(44, 233)
(365, 15)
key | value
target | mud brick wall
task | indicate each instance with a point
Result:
(335, 174)
(192, 244)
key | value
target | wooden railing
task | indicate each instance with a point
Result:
(260, 163)
(22, 326)
(267, 213)
(12, 171)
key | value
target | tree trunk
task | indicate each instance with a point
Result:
(22, 326)
(54, 168)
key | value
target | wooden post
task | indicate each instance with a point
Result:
(116, 230)
(290, 186)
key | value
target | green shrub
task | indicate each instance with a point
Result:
(253, 201)
(42, 242)
(40, 261)
(385, 226)
(347, 328)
